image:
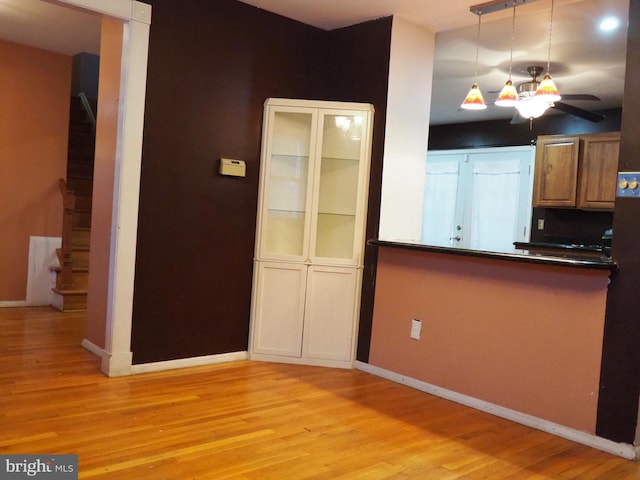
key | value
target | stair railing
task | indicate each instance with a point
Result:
(86, 105)
(65, 252)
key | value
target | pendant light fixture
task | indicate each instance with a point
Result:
(474, 99)
(547, 90)
(508, 95)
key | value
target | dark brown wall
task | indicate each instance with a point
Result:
(620, 376)
(363, 72)
(211, 66)
(500, 133)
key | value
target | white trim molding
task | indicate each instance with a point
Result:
(624, 450)
(92, 348)
(13, 304)
(189, 362)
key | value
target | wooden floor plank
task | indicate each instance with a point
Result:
(255, 421)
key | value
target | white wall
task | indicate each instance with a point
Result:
(406, 135)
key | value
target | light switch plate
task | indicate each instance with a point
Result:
(628, 184)
(416, 329)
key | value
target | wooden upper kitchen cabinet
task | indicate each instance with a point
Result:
(556, 172)
(599, 171)
(577, 171)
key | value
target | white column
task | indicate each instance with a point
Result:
(406, 134)
(118, 356)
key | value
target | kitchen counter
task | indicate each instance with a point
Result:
(568, 257)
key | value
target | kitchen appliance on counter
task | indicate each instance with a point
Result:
(563, 245)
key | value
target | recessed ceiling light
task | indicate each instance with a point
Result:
(609, 23)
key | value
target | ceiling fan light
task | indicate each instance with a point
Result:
(532, 107)
(547, 90)
(474, 99)
(508, 96)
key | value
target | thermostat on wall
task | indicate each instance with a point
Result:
(233, 168)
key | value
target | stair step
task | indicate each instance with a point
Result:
(82, 219)
(80, 257)
(80, 237)
(79, 276)
(80, 184)
(83, 202)
(69, 300)
(80, 169)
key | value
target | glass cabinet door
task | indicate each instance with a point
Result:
(338, 180)
(286, 200)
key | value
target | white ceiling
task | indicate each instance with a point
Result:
(45, 25)
(582, 59)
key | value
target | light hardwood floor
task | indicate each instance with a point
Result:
(248, 420)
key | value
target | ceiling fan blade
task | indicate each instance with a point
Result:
(579, 96)
(578, 112)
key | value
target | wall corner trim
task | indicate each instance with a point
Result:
(623, 450)
(188, 362)
(116, 364)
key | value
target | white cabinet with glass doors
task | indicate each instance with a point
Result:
(314, 177)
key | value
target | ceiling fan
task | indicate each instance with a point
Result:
(527, 90)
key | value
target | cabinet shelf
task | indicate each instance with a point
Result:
(341, 159)
(286, 156)
(336, 214)
(285, 210)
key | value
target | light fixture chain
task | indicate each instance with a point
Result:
(513, 36)
(478, 45)
(550, 30)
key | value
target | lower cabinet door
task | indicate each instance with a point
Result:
(330, 313)
(278, 308)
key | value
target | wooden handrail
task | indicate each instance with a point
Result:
(65, 256)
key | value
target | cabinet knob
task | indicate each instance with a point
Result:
(633, 184)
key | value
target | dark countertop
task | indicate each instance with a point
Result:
(559, 257)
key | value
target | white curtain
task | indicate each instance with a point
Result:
(441, 192)
(494, 204)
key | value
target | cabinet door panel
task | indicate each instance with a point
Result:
(339, 185)
(278, 308)
(330, 312)
(599, 172)
(285, 188)
(556, 174)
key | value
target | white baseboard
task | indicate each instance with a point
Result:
(92, 347)
(620, 449)
(12, 304)
(188, 362)
(312, 362)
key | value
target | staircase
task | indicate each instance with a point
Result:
(70, 292)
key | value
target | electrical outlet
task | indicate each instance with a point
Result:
(416, 329)
(541, 224)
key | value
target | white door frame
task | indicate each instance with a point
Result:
(136, 16)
